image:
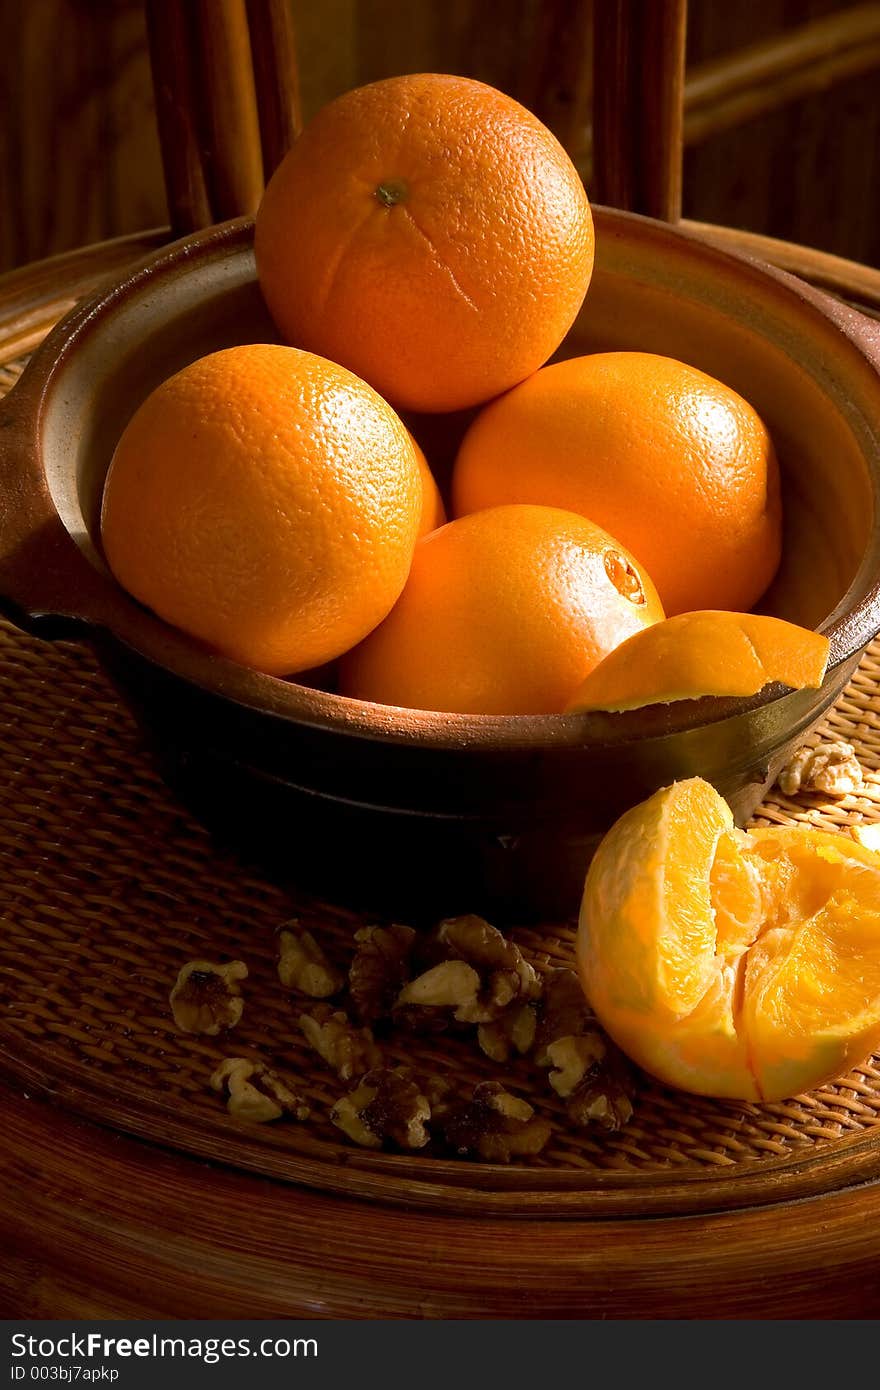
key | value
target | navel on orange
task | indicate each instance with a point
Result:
(504, 612)
(673, 463)
(266, 501)
(429, 233)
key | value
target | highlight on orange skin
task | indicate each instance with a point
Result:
(729, 963)
(709, 653)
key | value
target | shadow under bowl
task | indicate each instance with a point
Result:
(408, 811)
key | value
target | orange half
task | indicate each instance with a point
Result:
(731, 963)
(713, 652)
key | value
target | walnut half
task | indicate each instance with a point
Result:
(832, 768)
(348, 1050)
(591, 1075)
(303, 966)
(494, 1124)
(506, 977)
(255, 1092)
(386, 1104)
(379, 970)
(206, 997)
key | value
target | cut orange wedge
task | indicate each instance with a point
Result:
(707, 653)
(732, 963)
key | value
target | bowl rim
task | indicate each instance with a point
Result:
(109, 609)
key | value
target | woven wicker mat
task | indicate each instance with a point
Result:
(107, 887)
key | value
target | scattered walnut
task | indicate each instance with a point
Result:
(206, 997)
(348, 1050)
(303, 966)
(505, 975)
(605, 1101)
(430, 1001)
(255, 1092)
(386, 1104)
(380, 968)
(571, 1059)
(494, 1124)
(831, 767)
(563, 1012)
(513, 1031)
(592, 1076)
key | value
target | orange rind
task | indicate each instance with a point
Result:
(714, 652)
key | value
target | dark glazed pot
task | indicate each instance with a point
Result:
(418, 812)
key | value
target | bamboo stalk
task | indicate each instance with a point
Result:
(638, 95)
(230, 127)
(725, 92)
(276, 78)
(177, 115)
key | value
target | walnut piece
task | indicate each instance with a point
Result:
(379, 970)
(386, 1104)
(499, 975)
(594, 1079)
(588, 1072)
(348, 1050)
(605, 1101)
(494, 1124)
(513, 1031)
(304, 967)
(831, 767)
(255, 1092)
(206, 997)
(563, 1012)
(429, 1002)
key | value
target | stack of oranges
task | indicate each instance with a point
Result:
(425, 247)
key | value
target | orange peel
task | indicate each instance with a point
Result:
(712, 652)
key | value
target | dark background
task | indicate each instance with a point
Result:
(782, 115)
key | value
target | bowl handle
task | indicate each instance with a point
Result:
(47, 585)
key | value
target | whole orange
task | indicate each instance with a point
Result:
(504, 612)
(675, 464)
(430, 233)
(267, 502)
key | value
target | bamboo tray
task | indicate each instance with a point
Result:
(131, 1192)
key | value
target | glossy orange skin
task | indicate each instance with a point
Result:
(675, 464)
(429, 233)
(504, 612)
(267, 502)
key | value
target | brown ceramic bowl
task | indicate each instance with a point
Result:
(417, 811)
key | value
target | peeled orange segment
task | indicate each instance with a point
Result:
(812, 997)
(647, 942)
(730, 963)
(713, 652)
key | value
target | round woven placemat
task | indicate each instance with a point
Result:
(107, 887)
